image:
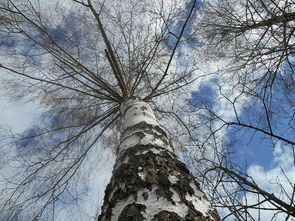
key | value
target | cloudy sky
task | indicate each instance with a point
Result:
(18, 117)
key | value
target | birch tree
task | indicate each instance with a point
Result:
(99, 68)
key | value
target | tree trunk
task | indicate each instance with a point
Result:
(149, 182)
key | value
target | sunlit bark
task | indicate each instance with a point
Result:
(149, 182)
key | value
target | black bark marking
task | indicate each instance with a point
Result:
(132, 212)
(145, 195)
(166, 216)
(143, 108)
(150, 129)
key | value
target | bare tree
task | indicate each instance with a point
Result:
(257, 34)
(94, 65)
(258, 37)
(254, 41)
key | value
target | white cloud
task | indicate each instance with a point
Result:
(99, 171)
(278, 180)
(17, 116)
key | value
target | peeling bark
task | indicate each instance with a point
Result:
(149, 182)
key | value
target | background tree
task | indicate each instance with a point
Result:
(251, 43)
(83, 61)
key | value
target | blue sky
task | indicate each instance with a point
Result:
(249, 146)
(247, 152)
(267, 160)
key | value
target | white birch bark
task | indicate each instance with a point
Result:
(149, 182)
